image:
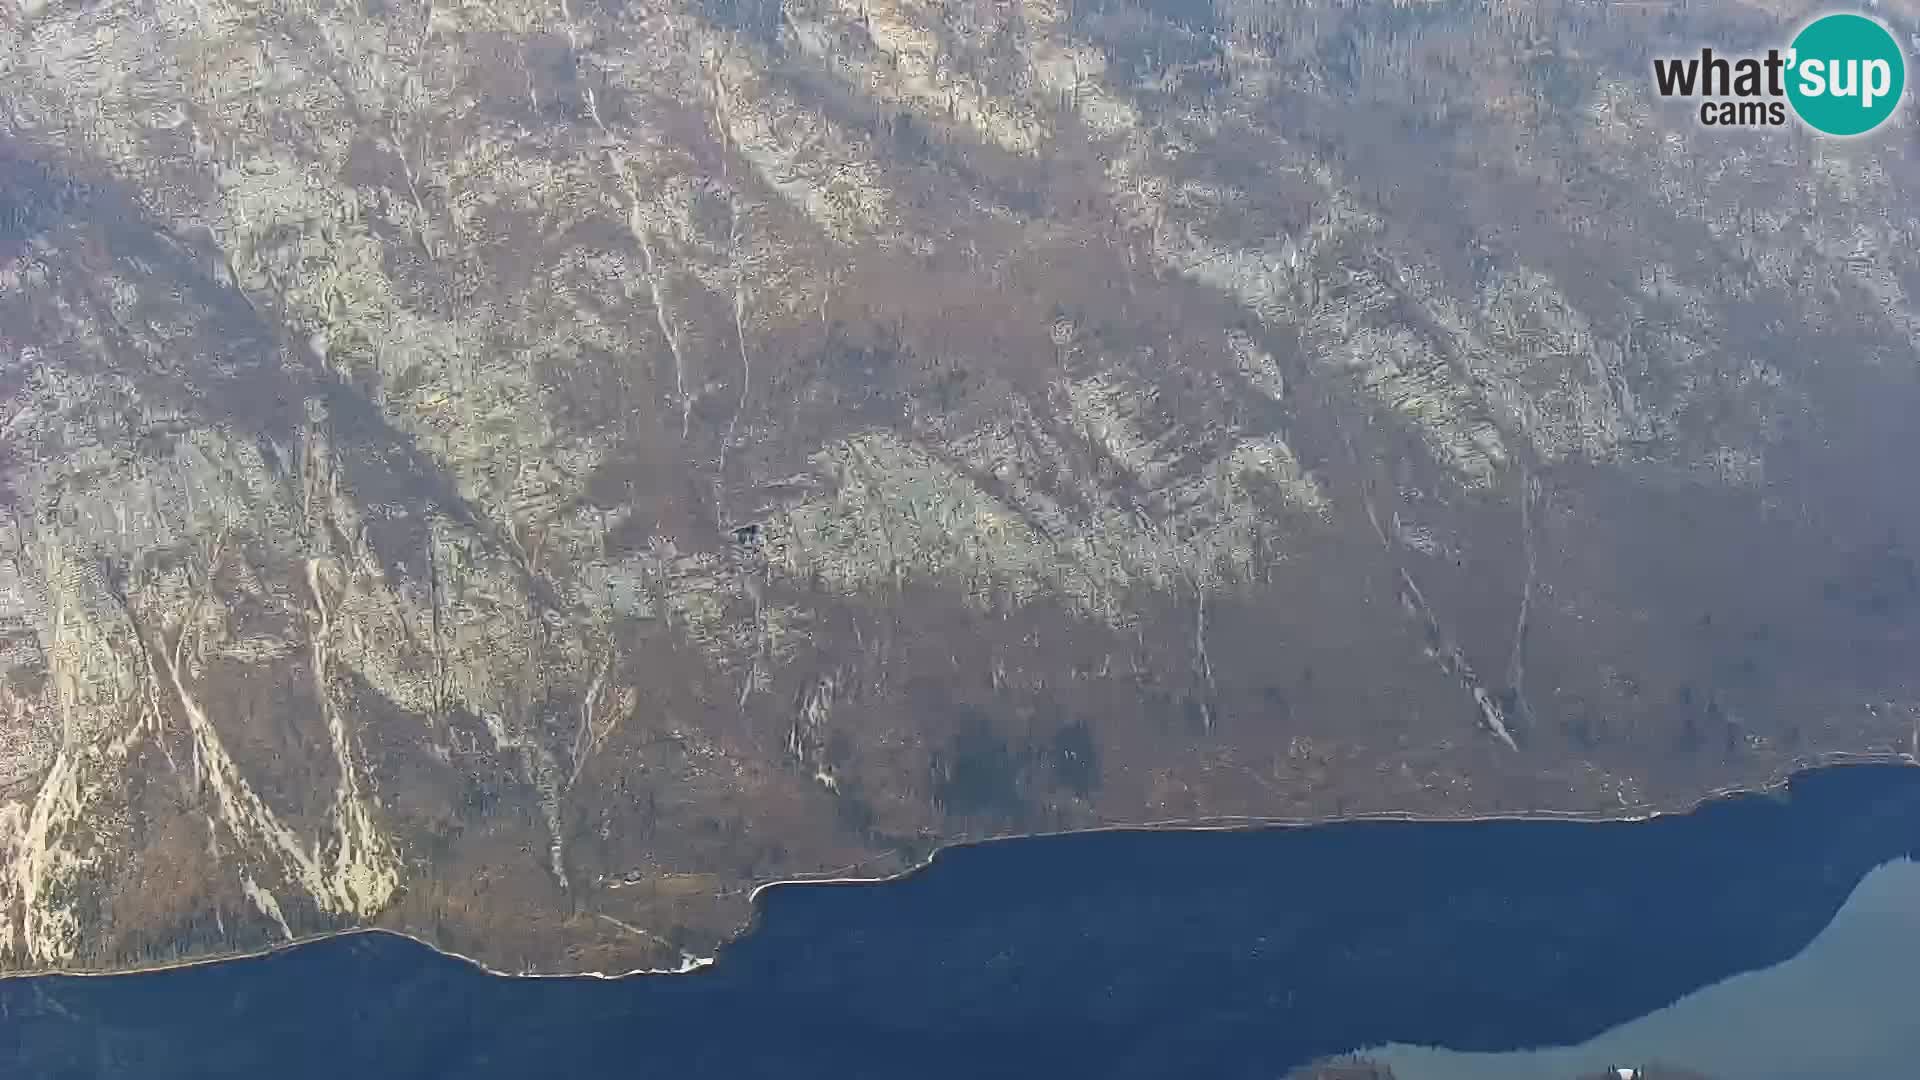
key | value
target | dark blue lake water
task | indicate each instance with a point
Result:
(1122, 954)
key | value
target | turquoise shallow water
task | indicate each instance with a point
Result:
(1842, 1009)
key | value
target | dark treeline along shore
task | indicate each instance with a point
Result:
(1117, 954)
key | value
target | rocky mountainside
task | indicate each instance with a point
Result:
(524, 473)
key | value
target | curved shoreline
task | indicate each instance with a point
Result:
(1781, 779)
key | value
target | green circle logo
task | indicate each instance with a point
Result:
(1846, 74)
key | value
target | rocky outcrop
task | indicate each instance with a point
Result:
(525, 474)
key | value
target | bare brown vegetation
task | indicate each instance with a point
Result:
(655, 449)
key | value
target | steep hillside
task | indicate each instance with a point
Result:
(525, 473)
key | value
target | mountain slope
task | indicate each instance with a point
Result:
(526, 473)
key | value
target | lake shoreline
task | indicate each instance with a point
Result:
(1781, 780)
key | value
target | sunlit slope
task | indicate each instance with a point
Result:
(524, 474)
